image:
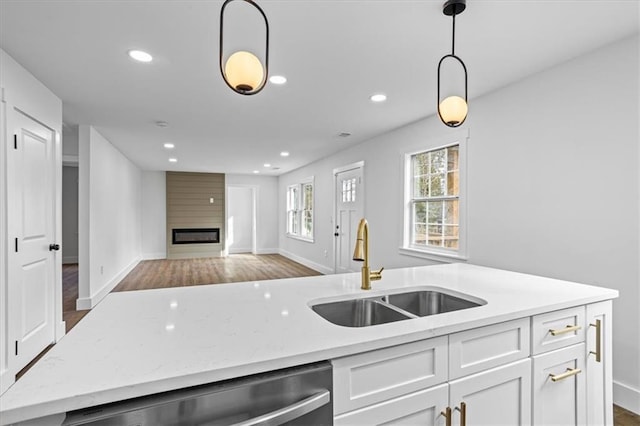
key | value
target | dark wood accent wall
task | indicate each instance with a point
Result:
(189, 206)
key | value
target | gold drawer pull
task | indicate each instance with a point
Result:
(447, 415)
(567, 329)
(598, 352)
(463, 413)
(570, 372)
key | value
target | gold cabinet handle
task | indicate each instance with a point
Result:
(463, 413)
(598, 352)
(567, 329)
(570, 372)
(447, 415)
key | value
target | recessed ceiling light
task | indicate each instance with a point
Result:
(162, 123)
(267, 165)
(256, 171)
(173, 160)
(140, 56)
(344, 134)
(278, 79)
(378, 97)
(284, 154)
(169, 145)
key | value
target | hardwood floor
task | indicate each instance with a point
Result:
(70, 315)
(622, 417)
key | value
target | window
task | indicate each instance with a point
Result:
(300, 210)
(433, 202)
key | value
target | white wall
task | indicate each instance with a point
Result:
(154, 214)
(240, 219)
(267, 208)
(552, 181)
(110, 216)
(69, 214)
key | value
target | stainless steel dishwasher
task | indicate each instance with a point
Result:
(293, 396)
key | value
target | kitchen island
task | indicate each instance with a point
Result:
(150, 341)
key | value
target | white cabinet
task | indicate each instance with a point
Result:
(559, 386)
(500, 396)
(549, 369)
(417, 408)
(598, 364)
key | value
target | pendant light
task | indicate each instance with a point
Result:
(453, 109)
(243, 72)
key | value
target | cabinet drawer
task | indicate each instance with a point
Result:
(487, 347)
(418, 408)
(376, 376)
(557, 329)
(563, 401)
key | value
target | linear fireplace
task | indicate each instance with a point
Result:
(196, 236)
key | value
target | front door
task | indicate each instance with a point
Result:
(349, 200)
(31, 189)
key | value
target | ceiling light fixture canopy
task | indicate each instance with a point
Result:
(453, 109)
(243, 72)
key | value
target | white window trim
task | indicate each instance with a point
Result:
(299, 185)
(460, 138)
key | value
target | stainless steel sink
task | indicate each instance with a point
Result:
(424, 303)
(420, 302)
(358, 312)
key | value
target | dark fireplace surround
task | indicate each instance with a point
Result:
(195, 236)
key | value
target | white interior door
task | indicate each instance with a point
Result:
(349, 201)
(31, 220)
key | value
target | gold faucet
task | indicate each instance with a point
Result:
(361, 253)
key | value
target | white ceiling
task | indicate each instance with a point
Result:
(335, 54)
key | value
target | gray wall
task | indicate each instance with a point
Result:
(553, 186)
(69, 214)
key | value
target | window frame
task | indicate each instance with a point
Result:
(442, 254)
(299, 210)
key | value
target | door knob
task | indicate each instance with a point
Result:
(54, 247)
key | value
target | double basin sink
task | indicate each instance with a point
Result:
(385, 308)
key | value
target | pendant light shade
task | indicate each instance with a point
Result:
(453, 109)
(243, 72)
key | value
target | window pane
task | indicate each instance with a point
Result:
(438, 161)
(435, 235)
(421, 186)
(420, 164)
(453, 186)
(308, 197)
(435, 211)
(420, 212)
(437, 185)
(451, 213)
(452, 158)
(308, 224)
(420, 234)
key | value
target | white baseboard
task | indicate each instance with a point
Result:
(84, 303)
(69, 259)
(306, 262)
(234, 250)
(626, 397)
(154, 256)
(268, 251)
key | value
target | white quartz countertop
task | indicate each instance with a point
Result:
(142, 342)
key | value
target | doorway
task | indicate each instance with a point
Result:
(349, 202)
(241, 219)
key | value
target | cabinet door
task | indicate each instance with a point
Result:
(500, 396)
(599, 379)
(559, 386)
(418, 408)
